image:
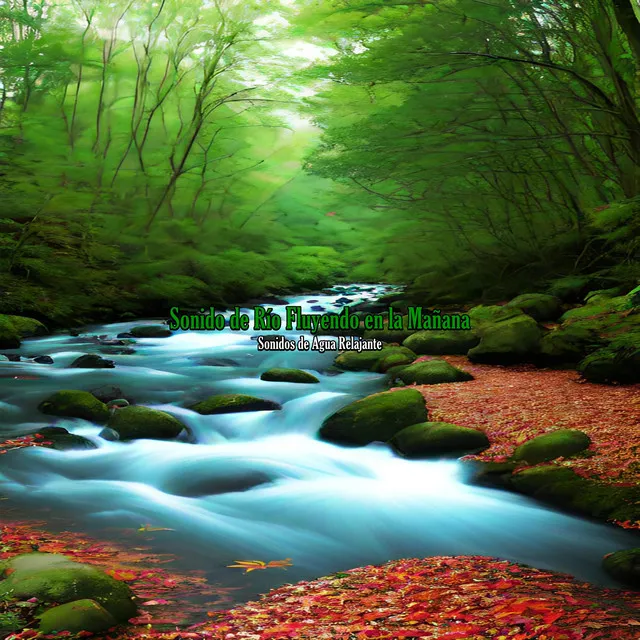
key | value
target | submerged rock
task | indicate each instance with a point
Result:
(289, 375)
(624, 566)
(233, 403)
(433, 439)
(76, 616)
(109, 392)
(549, 446)
(70, 403)
(434, 371)
(442, 342)
(43, 359)
(62, 440)
(92, 361)
(55, 578)
(376, 418)
(134, 423)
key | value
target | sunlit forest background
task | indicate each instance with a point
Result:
(200, 152)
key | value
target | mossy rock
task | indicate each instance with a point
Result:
(618, 362)
(233, 403)
(489, 314)
(9, 336)
(393, 359)
(442, 342)
(28, 327)
(434, 371)
(569, 343)
(390, 335)
(371, 360)
(435, 439)
(137, 422)
(51, 577)
(75, 404)
(515, 339)
(150, 331)
(289, 375)
(92, 361)
(602, 295)
(540, 306)
(62, 440)
(571, 288)
(549, 446)
(564, 488)
(376, 418)
(624, 566)
(609, 305)
(76, 616)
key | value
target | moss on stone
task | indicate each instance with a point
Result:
(617, 362)
(549, 446)
(55, 578)
(368, 360)
(392, 360)
(489, 314)
(233, 403)
(28, 327)
(9, 336)
(442, 342)
(516, 339)
(289, 375)
(390, 335)
(136, 422)
(434, 371)
(540, 306)
(375, 418)
(624, 566)
(569, 343)
(75, 404)
(76, 616)
(432, 439)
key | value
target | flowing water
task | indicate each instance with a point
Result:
(261, 485)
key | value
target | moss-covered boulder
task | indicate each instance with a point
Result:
(75, 404)
(233, 403)
(92, 361)
(390, 335)
(569, 343)
(289, 375)
(137, 422)
(516, 339)
(552, 445)
(540, 306)
(442, 342)
(617, 362)
(150, 331)
(51, 577)
(60, 439)
(593, 310)
(376, 418)
(490, 314)
(374, 360)
(624, 566)
(435, 439)
(9, 336)
(28, 327)
(434, 371)
(76, 616)
(571, 288)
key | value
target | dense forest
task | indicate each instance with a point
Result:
(211, 151)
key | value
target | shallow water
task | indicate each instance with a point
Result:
(260, 485)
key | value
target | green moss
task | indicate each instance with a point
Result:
(432, 439)
(9, 336)
(390, 335)
(434, 371)
(609, 305)
(150, 331)
(442, 342)
(516, 339)
(570, 288)
(549, 446)
(289, 375)
(56, 578)
(75, 404)
(136, 422)
(233, 403)
(483, 315)
(624, 566)
(80, 615)
(375, 418)
(368, 360)
(618, 362)
(28, 327)
(569, 343)
(392, 360)
(540, 306)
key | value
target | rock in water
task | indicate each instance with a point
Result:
(233, 403)
(289, 375)
(92, 361)
(376, 418)
(134, 423)
(75, 404)
(150, 331)
(43, 359)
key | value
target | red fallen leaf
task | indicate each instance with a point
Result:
(152, 603)
(331, 214)
(121, 574)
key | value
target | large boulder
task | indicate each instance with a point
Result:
(289, 375)
(446, 342)
(540, 306)
(75, 404)
(516, 339)
(569, 343)
(60, 439)
(624, 566)
(92, 361)
(376, 418)
(378, 361)
(233, 403)
(28, 327)
(76, 616)
(51, 577)
(485, 315)
(137, 422)
(390, 335)
(434, 371)
(435, 439)
(9, 336)
(552, 445)
(150, 331)
(618, 362)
